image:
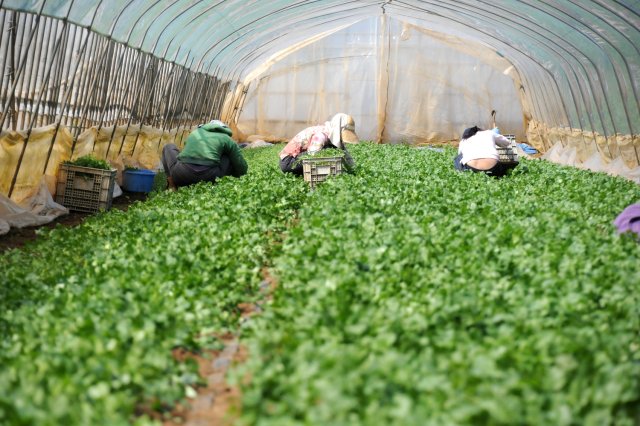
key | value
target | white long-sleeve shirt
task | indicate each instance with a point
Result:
(481, 145)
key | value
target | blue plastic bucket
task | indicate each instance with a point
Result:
(138, 180)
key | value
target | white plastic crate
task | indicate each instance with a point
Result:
(317, 170)
(509, 154)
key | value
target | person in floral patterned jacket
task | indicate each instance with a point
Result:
(332, 134)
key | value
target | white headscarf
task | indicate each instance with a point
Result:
(336, 125)
(218, 123)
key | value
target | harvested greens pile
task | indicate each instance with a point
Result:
(89, 161)
(407, 293)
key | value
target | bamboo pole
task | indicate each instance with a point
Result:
(4, 82)
(65, 98)
(168, 108)
(153, 80)
(135, 104)
(13, 23)
(125, 96)
(24, 146)
(81, 94)
(117, 88)
(77, 93)
(11, 94)
(49, 58)
(58, 80)
(181, 83)
(89, 91)
(33, 83)
(168, 70)
(22, 89)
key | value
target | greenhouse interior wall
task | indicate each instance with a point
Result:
(399, 83)
(87, 77)
(395, 288)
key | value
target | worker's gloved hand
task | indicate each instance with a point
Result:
(496, 130)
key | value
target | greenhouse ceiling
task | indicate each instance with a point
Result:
(220, 37)
(573, 67)
(586, 51)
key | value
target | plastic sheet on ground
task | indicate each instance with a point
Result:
(567, 155)
(117, 191)
(35, 211)
(258, 144)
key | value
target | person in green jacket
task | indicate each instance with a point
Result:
(209, 153)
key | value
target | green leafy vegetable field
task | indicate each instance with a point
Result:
(407, 293)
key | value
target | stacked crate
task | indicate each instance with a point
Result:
(508, 154)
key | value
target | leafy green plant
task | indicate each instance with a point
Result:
(323, 153)
(414, 294)
(328, 152)
(159, 181)
(407, 293)
(89, 316)
(90, 161)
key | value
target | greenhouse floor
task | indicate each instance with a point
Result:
(407, 293)
(213, 402)
(18, 237)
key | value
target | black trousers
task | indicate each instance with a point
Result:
(291, 164)
(184, 174)
(499, 170)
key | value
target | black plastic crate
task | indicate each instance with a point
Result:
(85, 189)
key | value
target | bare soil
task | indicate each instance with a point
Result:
(218, 403)
(18, 237)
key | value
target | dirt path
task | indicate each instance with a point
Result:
(218, 403)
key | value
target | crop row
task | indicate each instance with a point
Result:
(407, 293)
(89, 316)
(413, 294)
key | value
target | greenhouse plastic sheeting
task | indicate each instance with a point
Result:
(579, 60)
(573, 66)
(130, 147)
(374, 71)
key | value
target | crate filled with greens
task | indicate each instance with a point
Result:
(322, 165)
(85, 184)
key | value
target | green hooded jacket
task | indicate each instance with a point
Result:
(206, 144)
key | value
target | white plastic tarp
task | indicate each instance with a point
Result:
(35, 211)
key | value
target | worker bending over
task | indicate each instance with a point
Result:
(477, 152)
(209, 153)
(332, 134)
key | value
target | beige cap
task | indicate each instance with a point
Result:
(348, 132)
(343, 129)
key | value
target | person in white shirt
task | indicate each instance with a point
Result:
(477, 152)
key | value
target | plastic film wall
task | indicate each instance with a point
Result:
(68, 92)
(565, 75)
(573, 67)
(399, 82)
